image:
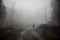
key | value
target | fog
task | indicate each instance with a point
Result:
(29, 11)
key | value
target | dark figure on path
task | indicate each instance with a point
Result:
(33, 26)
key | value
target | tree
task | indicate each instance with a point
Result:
(56, 12)
(2, 13)
(56, 18)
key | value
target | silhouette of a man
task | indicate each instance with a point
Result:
(33, 26)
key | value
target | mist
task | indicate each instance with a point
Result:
(28, 12)
(29, 19)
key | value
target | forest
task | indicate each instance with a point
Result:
(11, 31)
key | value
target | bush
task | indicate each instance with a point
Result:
(10, 33)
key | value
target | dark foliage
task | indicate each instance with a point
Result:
(56, 11)
(10, 32)
(48, 32)
(2, 13)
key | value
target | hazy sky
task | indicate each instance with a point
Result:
(30, 11)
